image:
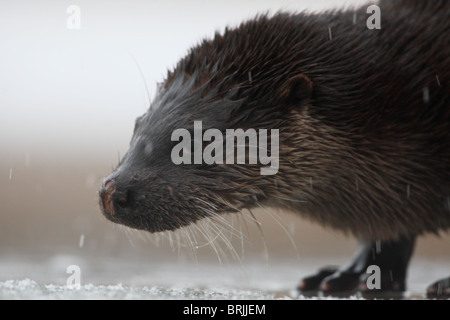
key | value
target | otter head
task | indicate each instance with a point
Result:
(172, 174)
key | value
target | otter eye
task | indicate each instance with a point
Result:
(148, 149)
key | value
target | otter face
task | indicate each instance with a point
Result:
(150, 190)
(153, 191)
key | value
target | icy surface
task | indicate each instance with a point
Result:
(29, 289)
(124, 279)
(21, 278)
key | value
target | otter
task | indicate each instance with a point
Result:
(363, 114)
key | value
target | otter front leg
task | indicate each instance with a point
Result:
(392, 258)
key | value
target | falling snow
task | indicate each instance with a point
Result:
(438, 82)
(426, 95)
(81, 241)
(378, 246)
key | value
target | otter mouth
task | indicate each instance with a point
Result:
(127, 208)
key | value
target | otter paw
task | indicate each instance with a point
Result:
(310, 286)
(439, 290)
(341, 284)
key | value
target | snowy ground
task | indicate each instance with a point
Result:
(121, 279)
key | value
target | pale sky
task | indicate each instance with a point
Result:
(74, 93)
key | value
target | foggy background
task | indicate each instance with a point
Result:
(68, 101)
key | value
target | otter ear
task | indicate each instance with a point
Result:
(297, 90)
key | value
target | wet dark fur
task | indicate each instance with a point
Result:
(362, 148)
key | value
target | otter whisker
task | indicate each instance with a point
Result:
(226, 241)
(228, 204)
(211, 241)
(221, 220)
(207, 203)
(212, 227)
(241, 233)
(281, 225)
(147, 237)
(190, 247)
(191, 232)
(224, 223)
(142, 235)
(214, 236)
(171, 241)
(182, 240)
(258, 225)
(213, 231)
(293, 200)
(127, 232)
(142, 76)
(178, 244)
(158, 237)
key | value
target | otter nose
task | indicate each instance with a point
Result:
(112, 197)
